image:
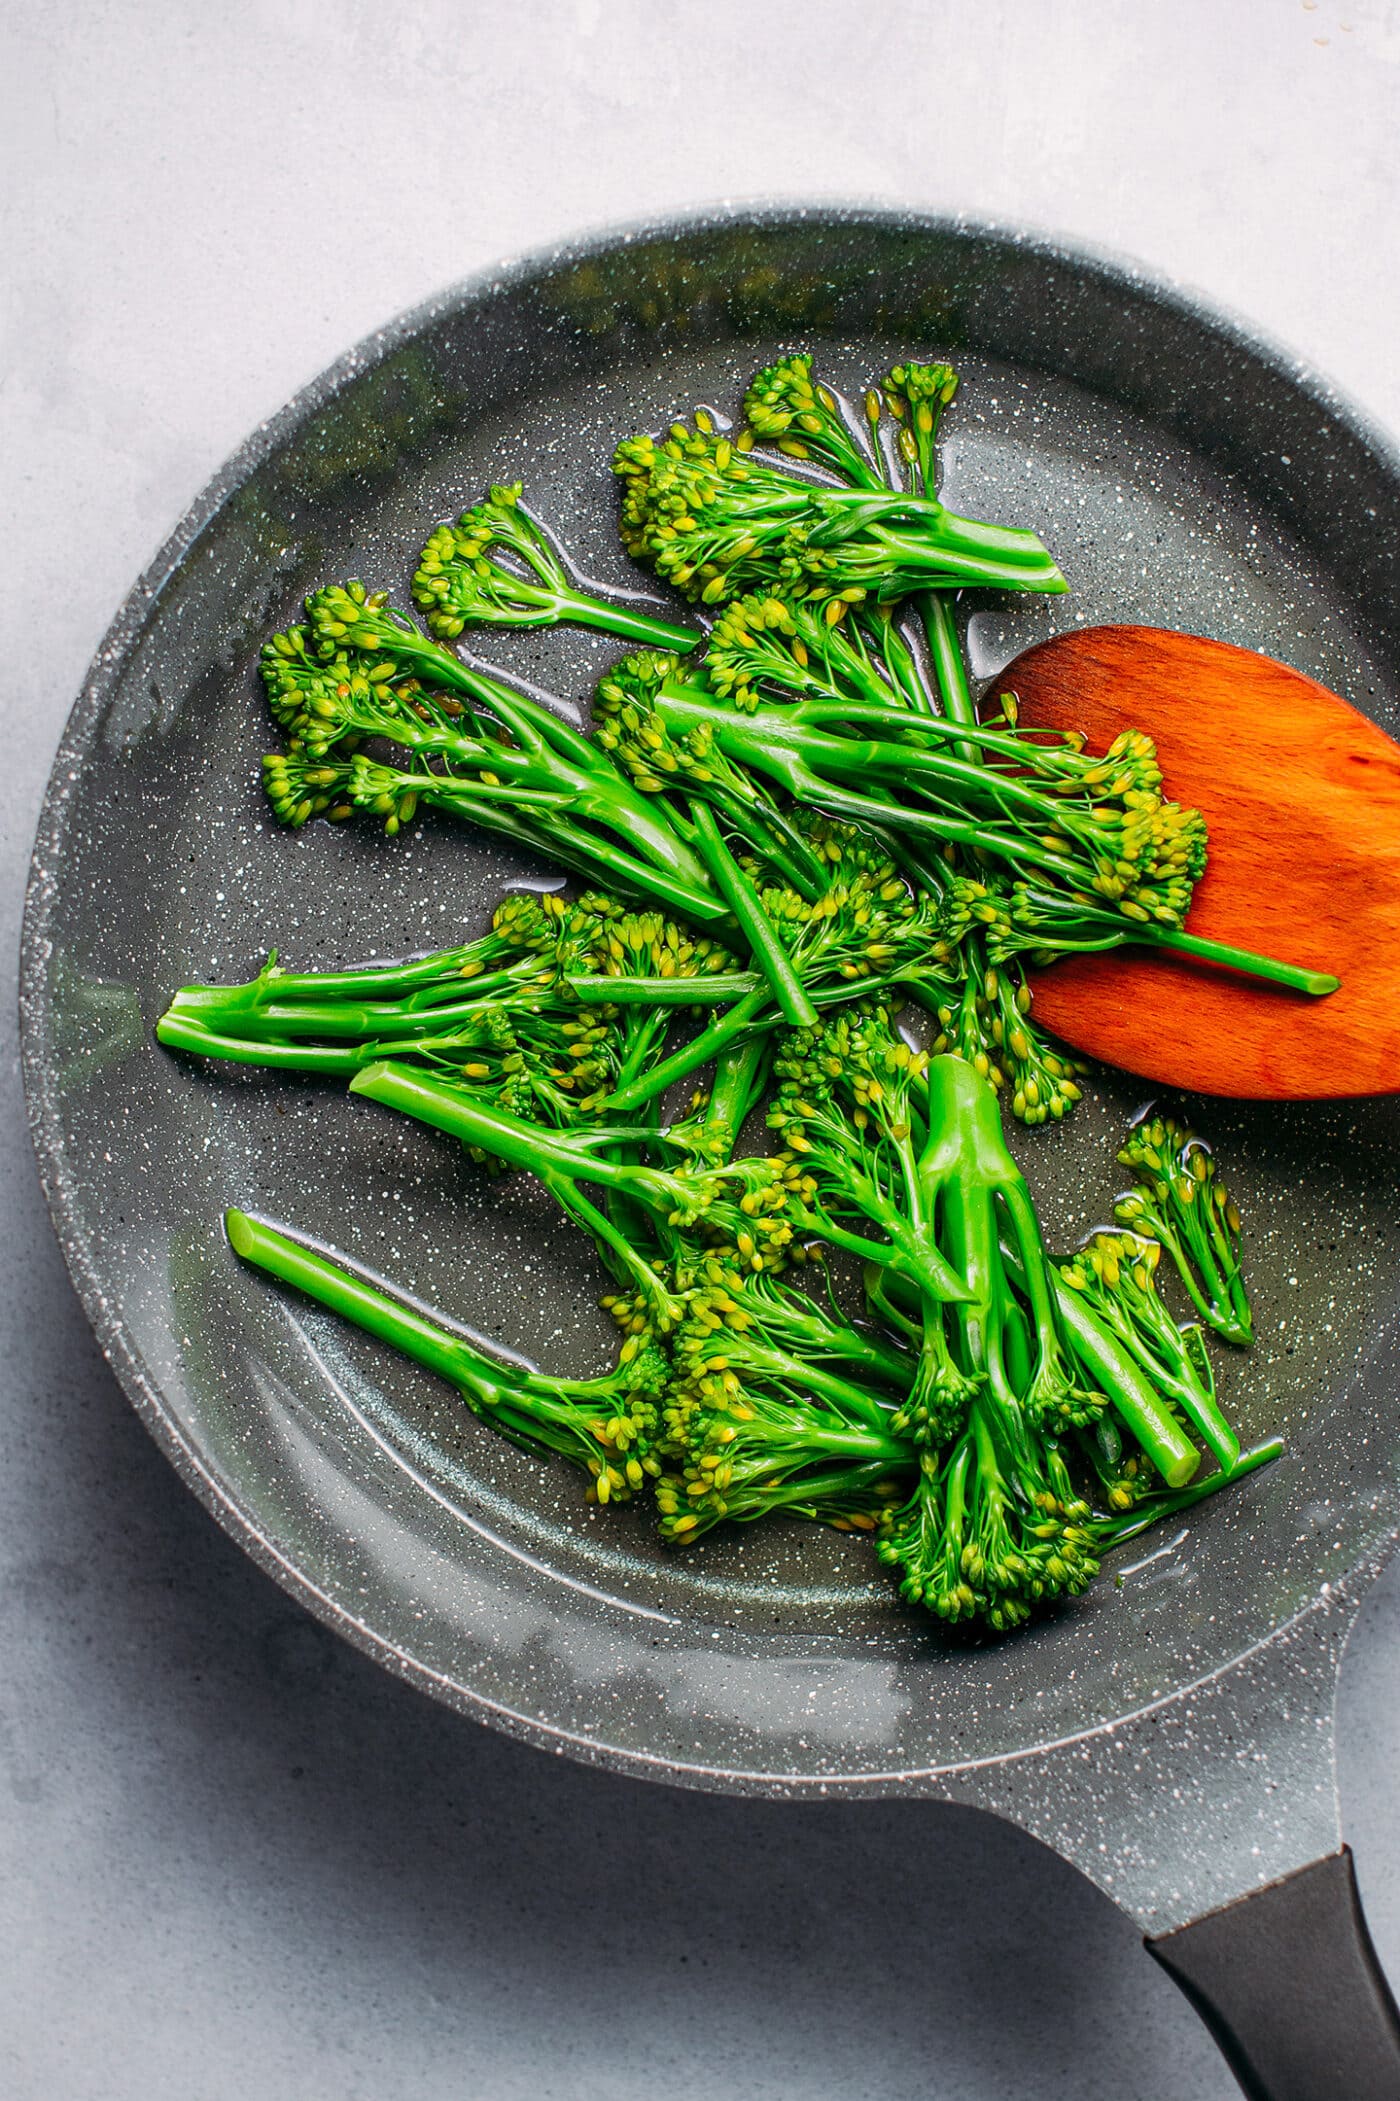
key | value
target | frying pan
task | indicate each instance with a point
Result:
(1172, 1733)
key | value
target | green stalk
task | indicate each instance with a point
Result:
(177, 1032)
(1316, 983)
(607, 1234)
(354, 1019)
(1115, 1373)
(359, 1301)
(751, 1013)
(1029, 569)
(735, 1086)
(699, 1051)
(949, 670)
(907, 682)
(638, 628)
(566, 845)
(372, 981)
(665, 992)
(1114, 1532)
(859, 1408)
(1007, 543)
(772, 838)
(758, 929)
(812, 1495)
(526, 1146)
(535, 1412)
(560, 1163)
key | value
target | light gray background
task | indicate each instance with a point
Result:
(237, 1859)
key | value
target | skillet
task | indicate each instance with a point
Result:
(1172, 1734)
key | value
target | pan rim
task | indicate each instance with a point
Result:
(56, 1175)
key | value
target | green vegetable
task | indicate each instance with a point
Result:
(489, 752)
(566, 1162)
(477, 748)
(1116, 1274)
(716, 521)
(462, 581)
(1179, 1199)
(501, 1014)
(607, 1426)
(799, 821)
(914, 1148)
(1095, 855)
(968, 1423)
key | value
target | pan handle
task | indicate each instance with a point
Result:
(1287, 1981)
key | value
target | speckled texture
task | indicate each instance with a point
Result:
(778, 1661)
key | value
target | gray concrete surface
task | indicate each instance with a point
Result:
(235, 1859)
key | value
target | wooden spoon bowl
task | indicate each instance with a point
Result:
(1301, 795)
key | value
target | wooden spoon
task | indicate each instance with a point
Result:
(1301, 795)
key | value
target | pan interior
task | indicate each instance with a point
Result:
(777, 1654)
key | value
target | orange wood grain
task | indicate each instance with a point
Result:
(1301, 795)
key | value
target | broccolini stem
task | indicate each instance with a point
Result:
(1006, 543)
(737, 1083)
(613, 619)
(699, 1051)
(949, 670)
(758, 929)
(665, 992)
(372, 981)
(972, 554)
(594, 1423)
(752, 1013)
(665, 873)
(526, 1146)
(1114, 1371)
(1114, 1531)
(353, 1019)
(357, 1300)
(646, 1032)
(604, 615)
(1116, 1273)
(906, 677)
(1317, 983)
(184, 1032)
(609, 1235)
(856, 1409)
(560, 1166)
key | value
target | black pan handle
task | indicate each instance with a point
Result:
(1288, 1983)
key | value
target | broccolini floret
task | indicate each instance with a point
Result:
(463, 581)
(357, 671)
(716, 521)
(1179, 1199)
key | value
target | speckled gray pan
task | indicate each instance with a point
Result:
(1183, 476)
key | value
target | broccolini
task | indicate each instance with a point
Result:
(992, 1423)
(794, 819)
